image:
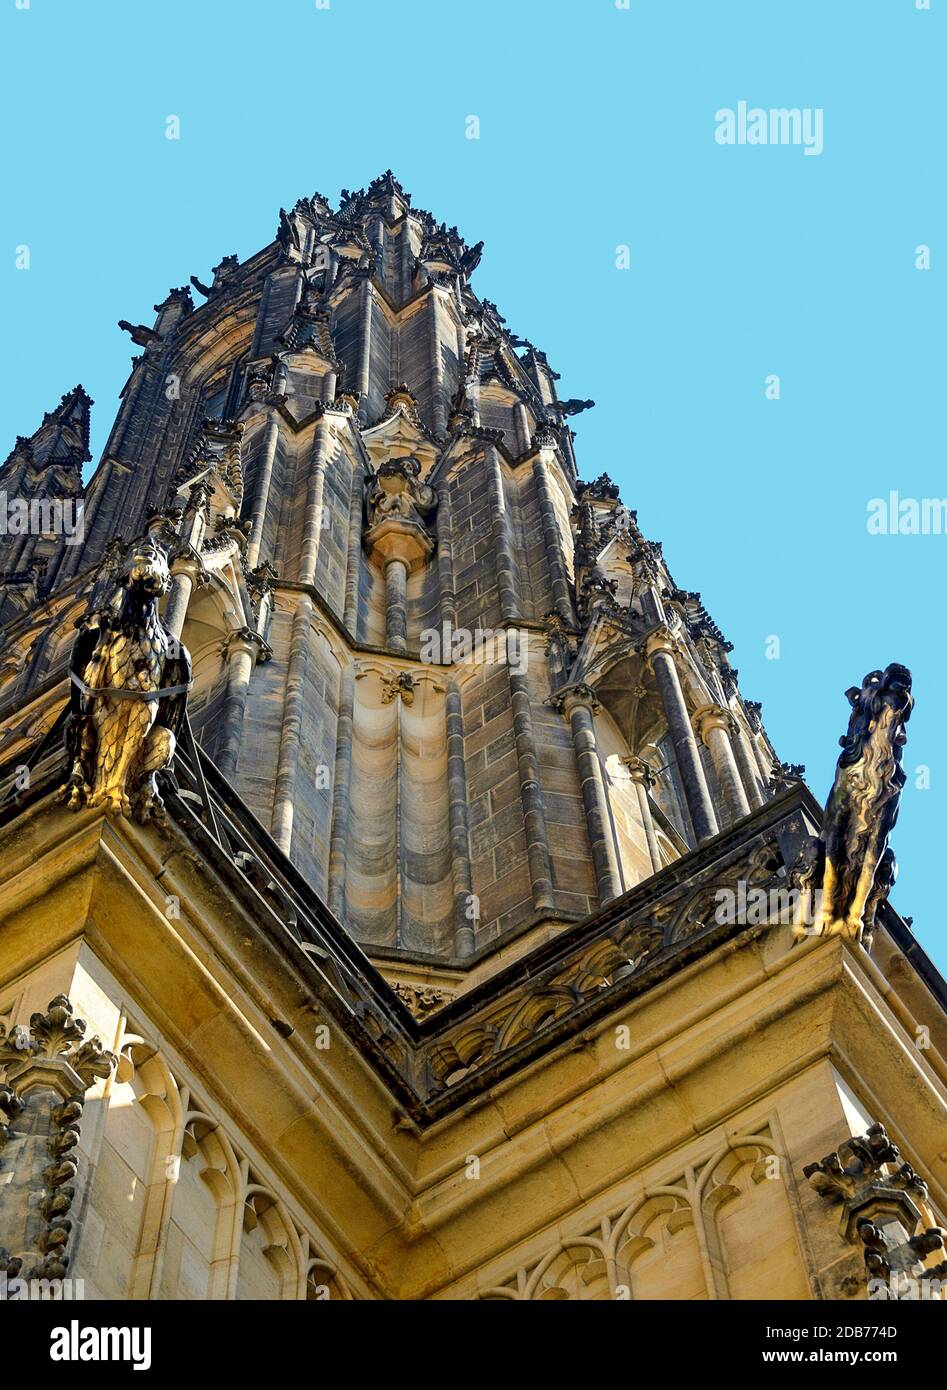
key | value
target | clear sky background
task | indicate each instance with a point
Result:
(596, 131)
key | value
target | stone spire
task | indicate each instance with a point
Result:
(408, 614)
(41, 501)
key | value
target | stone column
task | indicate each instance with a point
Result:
(662, 658)
(49, 1069)
(406, 253)
(437, 367)
(281, 821)
(464, 938)
(552, 538)
(353, 553)
(186, 572)
(262, 491)
(764, 762)
(715, 726)
(521, 420)
(445, 555)
(748, 772)
(758, 756)
(14, 483)
(396, 613)
(315, 492)
(531, 795)
(643, 776)
(365, 363)
(341, 794)
(578, 704)
(503, 535)
(102, 479)
(242, 650)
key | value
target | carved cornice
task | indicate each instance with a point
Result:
(631, 949)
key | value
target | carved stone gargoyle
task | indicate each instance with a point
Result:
(850, 860)
(130, 679)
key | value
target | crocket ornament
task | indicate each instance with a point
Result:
(851, 858)
(130, 679)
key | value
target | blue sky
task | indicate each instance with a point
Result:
(596, 131)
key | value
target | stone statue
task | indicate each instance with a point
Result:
(130, 679)
(863, 804)
(396, 491)
(851, 856)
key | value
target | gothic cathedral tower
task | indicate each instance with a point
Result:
(398, 827)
